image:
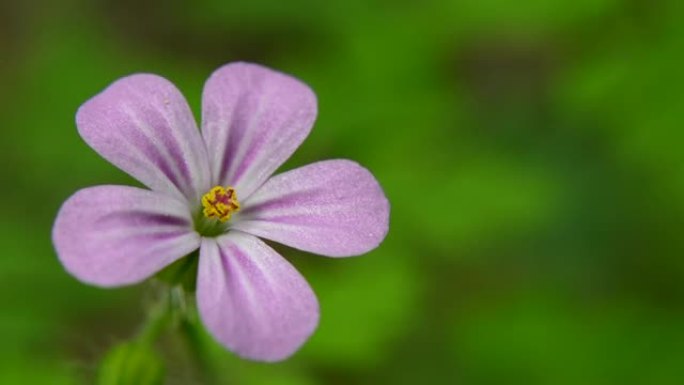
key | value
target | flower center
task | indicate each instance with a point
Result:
(217, 207)
(220, 203)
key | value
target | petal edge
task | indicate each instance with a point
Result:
(334, 208)
(116, 235)
(252, 300)
(142, 124)
(253, 119)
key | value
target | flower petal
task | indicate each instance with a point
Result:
(253, 119)
(334, 208)
(252, 300)
(118, 235)
(143, 125)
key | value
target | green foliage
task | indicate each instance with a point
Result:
(531, 151)
(131, 363)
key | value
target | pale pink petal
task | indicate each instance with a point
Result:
(252, 300)
(253, 119)
(117, 235)
(143, 125)
(334, 208)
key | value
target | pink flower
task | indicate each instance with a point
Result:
(214, 191)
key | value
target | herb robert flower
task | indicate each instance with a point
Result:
(213, 190)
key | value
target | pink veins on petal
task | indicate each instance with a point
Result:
(250, 298)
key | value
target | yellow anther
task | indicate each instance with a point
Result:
(220, 203)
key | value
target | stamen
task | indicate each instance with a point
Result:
(220, 203)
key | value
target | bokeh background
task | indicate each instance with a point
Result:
(532, 152)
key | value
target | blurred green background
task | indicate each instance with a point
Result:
(532, 152)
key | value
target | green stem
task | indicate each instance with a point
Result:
(193, 341)
(158, 320)
(174, 311)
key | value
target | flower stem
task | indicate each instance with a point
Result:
(174, 312)
(158, 319)
(197, 348)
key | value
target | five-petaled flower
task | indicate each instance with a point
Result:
(212, 189)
